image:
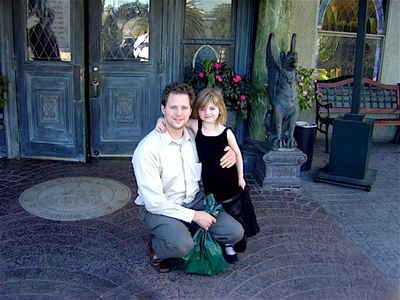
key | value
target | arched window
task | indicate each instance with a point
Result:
(337, 31)
(208, 32)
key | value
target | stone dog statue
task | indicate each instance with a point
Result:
(282, 81)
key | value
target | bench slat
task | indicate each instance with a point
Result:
(376, 98)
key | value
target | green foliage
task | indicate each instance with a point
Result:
(238, 91)
(3, 91)
(305, 87)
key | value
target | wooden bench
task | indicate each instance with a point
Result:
(376, 98)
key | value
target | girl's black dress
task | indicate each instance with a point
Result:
(223, 183)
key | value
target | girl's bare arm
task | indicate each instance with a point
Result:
(239, 159)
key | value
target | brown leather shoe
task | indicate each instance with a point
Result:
(162, 266)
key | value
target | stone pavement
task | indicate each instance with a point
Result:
(322, 242)
(370, 219)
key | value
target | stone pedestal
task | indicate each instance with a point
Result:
(282, 168)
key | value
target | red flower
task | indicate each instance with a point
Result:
(218, 77)
(217, 66)
(201, 74)
(242, 97)
(237, 78)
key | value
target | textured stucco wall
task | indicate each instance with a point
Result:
(304, 23)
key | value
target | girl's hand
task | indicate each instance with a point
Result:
(242, 183)
(160, 125)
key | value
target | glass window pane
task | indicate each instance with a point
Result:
(342, 15)
(125, 30)
(208, 19)
(337, 54)
(48, 30)
(195, 54)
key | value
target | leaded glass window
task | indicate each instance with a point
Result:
(48, 30)
(125, 30)
(338, 22)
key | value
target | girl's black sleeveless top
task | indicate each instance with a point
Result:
(221, 182)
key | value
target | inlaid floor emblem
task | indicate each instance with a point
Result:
(75, 198)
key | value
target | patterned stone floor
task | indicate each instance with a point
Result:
(302, 252)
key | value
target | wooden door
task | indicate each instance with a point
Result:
(49, 59)
(125, 73)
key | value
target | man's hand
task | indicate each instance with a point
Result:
(204, 219)
(229, 158)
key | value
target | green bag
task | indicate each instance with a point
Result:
(206, 257)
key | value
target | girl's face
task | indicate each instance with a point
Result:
(209, 113)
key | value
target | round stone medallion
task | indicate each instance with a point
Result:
(75, 198)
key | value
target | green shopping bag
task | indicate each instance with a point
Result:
(206, 257)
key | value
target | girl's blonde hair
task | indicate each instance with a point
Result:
(215, 96)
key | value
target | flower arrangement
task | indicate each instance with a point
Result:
(237, 90)
(305, 88)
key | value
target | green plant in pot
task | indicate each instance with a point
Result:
(305, 132)
(305, 88)
(3, 91)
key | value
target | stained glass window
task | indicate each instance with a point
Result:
(338, 24)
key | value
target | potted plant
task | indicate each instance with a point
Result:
(238, 91)
(305, 132)
(3, 91)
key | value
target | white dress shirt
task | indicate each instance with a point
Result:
(167, 174)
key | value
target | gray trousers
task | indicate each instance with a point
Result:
(172, 238)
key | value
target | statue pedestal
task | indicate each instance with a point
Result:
(282, 168)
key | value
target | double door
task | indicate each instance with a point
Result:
(89, 76)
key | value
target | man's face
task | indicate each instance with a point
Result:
(177, 111)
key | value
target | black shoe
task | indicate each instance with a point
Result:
(241, 245)
(232, 259)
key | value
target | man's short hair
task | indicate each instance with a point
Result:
(177, 88)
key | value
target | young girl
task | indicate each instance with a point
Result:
(212, 137)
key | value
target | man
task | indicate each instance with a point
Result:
(167, 172)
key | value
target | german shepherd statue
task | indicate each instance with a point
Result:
(282, 83)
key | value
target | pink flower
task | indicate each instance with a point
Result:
(242, 97)
(305, 92)
(218, 77)
(217, 66)
(237, 78)
(201, 74)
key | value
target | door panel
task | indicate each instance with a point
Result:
(125, 76)
(49, 81)
(50, 122)
(118, 114)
